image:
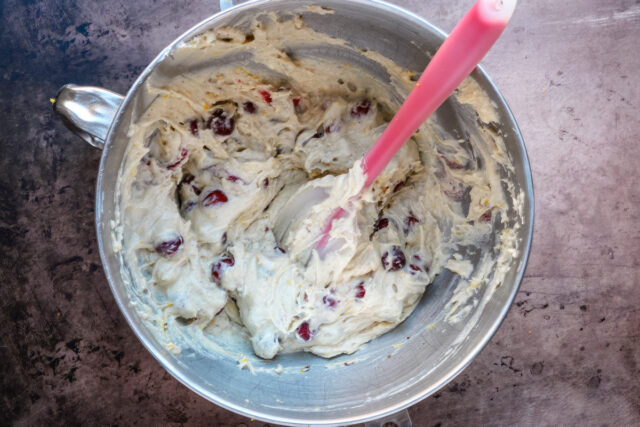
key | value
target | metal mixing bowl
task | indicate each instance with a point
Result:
(377, 385)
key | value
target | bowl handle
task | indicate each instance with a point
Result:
(400, 419)
(88, 111)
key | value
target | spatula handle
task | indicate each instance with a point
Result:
(467, 44)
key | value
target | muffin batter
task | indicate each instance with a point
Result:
(220, 150)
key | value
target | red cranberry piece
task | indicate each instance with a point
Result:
(380, 224)
(334, 126)
(193, 127)
(220, 266)
(329, 301)
(221, 123)
(418, 259)
(299, 105)
(234, 178)
(414, 269)
(453, 165)
(394, 259)
(303, 331)
(409, 222)
(169, 247)
(485, 217)
(266, 96)
(361, 108)
(216, 273)
(279, 249)
(360, 291)
(398, 186)
(214, 198)
(249, 107)
(183, 155)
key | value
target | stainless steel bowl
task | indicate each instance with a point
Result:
(377, 385)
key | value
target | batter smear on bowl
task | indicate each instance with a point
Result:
(220, 149)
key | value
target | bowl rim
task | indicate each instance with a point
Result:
(126, 310)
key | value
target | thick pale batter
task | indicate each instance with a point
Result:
(220, 150)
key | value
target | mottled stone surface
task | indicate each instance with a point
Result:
(568, 353)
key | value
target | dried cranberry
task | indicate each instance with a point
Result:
(279, 249)
(249, 107)
(398, 186)
(193, 126)
(233, 178)
(360, 291)
(329, 301)
(214, 198)
(220, 266)
(221, 123)
(265, 182)
(216, 273)
(409, 222)
(394, 259)
(169, 247)
(334, 126)
(266, 96)
(183, 155)
(299, 105)
(414, 268)
(453, 165)
(380, 224)
(361, 108)
(485, 217)
(196, 190)
(303, 331)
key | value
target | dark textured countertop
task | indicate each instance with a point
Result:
(568, 353)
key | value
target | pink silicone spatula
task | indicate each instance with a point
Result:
(463, 49)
